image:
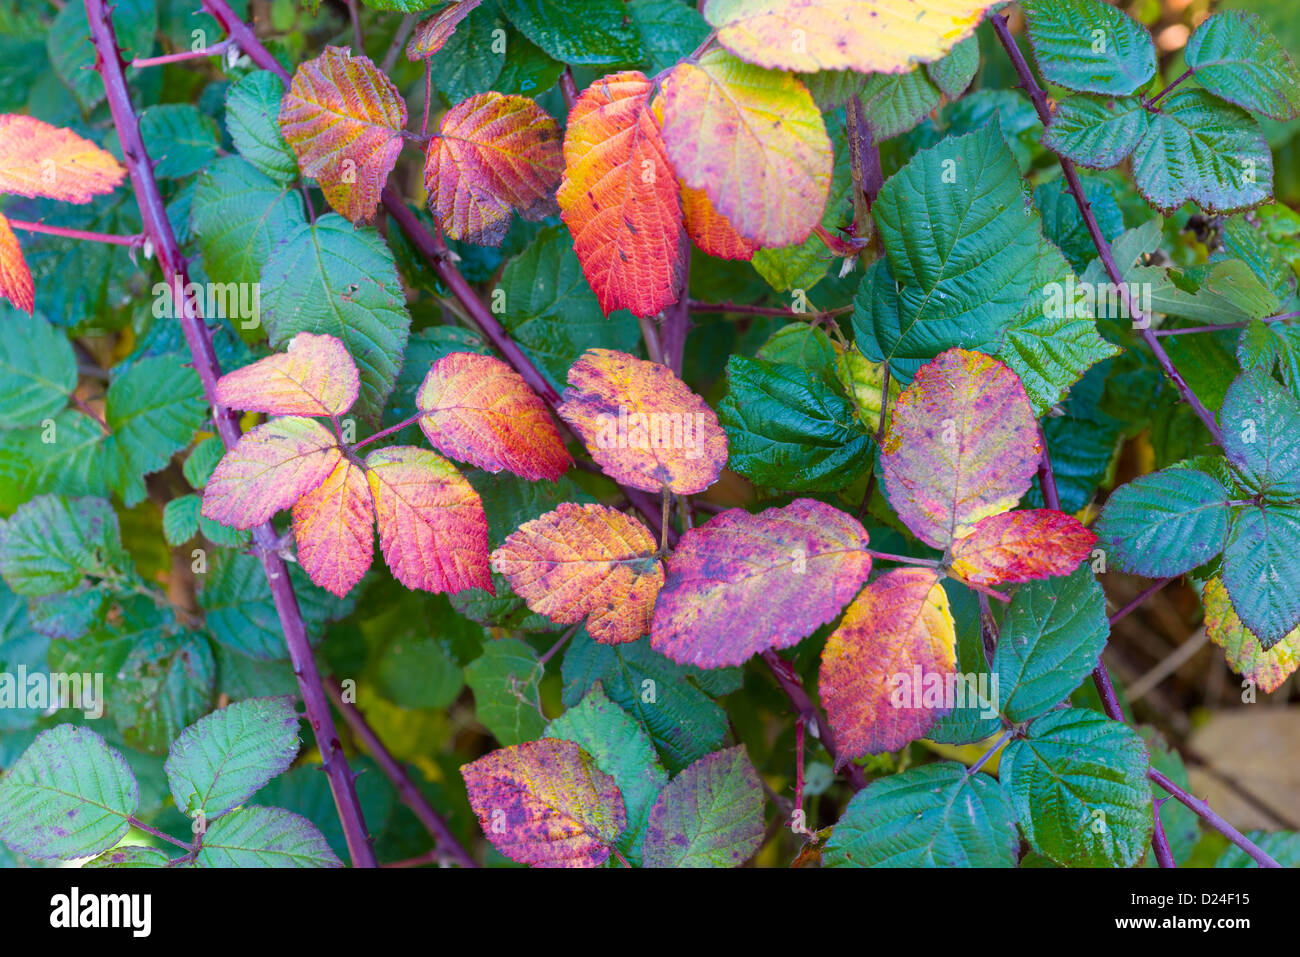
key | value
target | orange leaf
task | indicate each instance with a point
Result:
(315, 375)
(432, 528)
(886, 669)
(334, 527)
(585, 560)
(269, 468)
(1019, 546)
(1245, 655)
(37, 159)
(754, 141)
(492, 153)
(344, 120)
(642, 424)
(479, 410)
(712, 231)
(619, 197)
(431, 35)
(15, 278)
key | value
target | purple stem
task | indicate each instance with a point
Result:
(410, 795)
(111, 238)
(1225, 325)
(677, 322)
(1159, 842)
(157, 227)
(1132, 606)
(215, 50)
(1156, 99)
(804, 709)
(1039, 98)
(1206, 814)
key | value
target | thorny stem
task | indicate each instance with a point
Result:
(1159, 842)
(1039, 97)
(798, 762)
(410, 795)
(110, 238)
(1206, 814)
(1100, 677)
(789, 681)
(157, 227)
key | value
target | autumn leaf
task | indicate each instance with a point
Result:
(15, 278)
(1020, 546)
(741, 584)
(432, 528)
(754, 141)
(333, 525)
(479, 410)
(546, 803)
(898, 629)
(344, 120)
(643, 425)
(1246, 656)
(710, 230)
(585, 560)
(619, 197)
(962, 444)
(315, 375)
(432, 34)
(269, 468)
(492, 153)
(37, 159)
(869, 36)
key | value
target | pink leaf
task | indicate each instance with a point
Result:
(314, 376)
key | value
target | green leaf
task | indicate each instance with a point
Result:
(239, 215)
(130, 855)
(1089, 45)
(203, 458)
(1079, 787)
(1201, 149)
(710, 815)
(974, 717)
(419, 671)
(670, 29)
(1261, 435)
(787, 429)
(1053, 342)
(73, 55)
(893, 103)
(1065, 226)
(330, 278)
(21, 645)
(1234, 55)
(1261, 565)
(181, 519)
(505, 685)
(253, 119)
(1282, 846)
(153, 410)
(1053, 632)
(180, 140)
(38, 372)
(963, 249)
(221, 761)
(578, 31)
(472, 59)
(551, 312)
(68, 796)
(1165, 523)
(52, 544)
(265, 837)
(831, 89)
(64, 457)
(1097, 131)
(622, 749)
(240, 611)
(165, 684)
(954, 72)
(528, 71)
(936, 815)
(672, 702)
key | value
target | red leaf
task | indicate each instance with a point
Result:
(315, 375)
(37, 159)
(741, 584)
(897, 629)
(344, 120)
(619, 197)
(479, 410)
(492, 153)
(15, 278)
(432, 528)
(1018, 546)
(334, 526)
(431, 35)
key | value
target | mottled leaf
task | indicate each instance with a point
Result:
(710, 815)
(431, 35)
(1261, 564)
(1020, 546)
(333, 525)
(1269, 669)
(741, 584)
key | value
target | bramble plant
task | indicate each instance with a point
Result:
(740, 398)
